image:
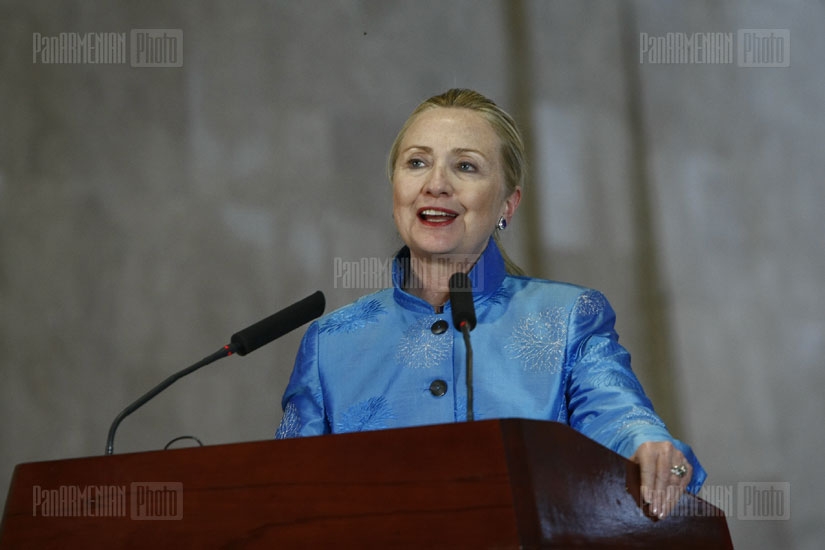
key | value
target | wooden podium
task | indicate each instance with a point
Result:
(489, 484)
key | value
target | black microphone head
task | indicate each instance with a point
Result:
(275, 326)
(461, 301)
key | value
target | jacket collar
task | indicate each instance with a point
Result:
(486, 275)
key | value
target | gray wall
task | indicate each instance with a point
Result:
(146, 214)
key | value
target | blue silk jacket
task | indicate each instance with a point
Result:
(541, 350)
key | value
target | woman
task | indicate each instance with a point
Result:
(543, 350)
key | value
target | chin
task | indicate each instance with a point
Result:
(430, 248)
(445, 249)
(432, 251)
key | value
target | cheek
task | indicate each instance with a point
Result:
(488, 204)
(398, 204)
(402, 195)
(396, 197)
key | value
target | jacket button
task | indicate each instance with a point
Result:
(438, 388)
(439, 327)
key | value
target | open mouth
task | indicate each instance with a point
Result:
(437, 216)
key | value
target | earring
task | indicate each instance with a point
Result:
(502, 224)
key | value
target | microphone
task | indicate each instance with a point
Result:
(464, 319)
(275, 326)
(243, 342)
(461, 300)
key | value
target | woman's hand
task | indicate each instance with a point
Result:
(660, 464)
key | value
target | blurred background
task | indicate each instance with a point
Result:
(146, 214)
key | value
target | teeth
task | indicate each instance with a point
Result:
(439, 213)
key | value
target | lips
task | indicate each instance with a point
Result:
(436, 217)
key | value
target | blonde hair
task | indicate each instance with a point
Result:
(512, 144)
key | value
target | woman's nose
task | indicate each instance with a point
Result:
(438, 182)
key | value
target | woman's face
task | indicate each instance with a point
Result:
(448, 183)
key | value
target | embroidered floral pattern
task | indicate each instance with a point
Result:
(538, 340)
(589, 303)
(610, 375)
(420, 348)
(290, 424)
(353, 318)
(372, 414)
(638, 416)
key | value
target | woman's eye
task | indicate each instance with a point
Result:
(465, 166)
(415, 163)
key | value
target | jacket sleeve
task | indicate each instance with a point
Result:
(605, 400)
(303, 402)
